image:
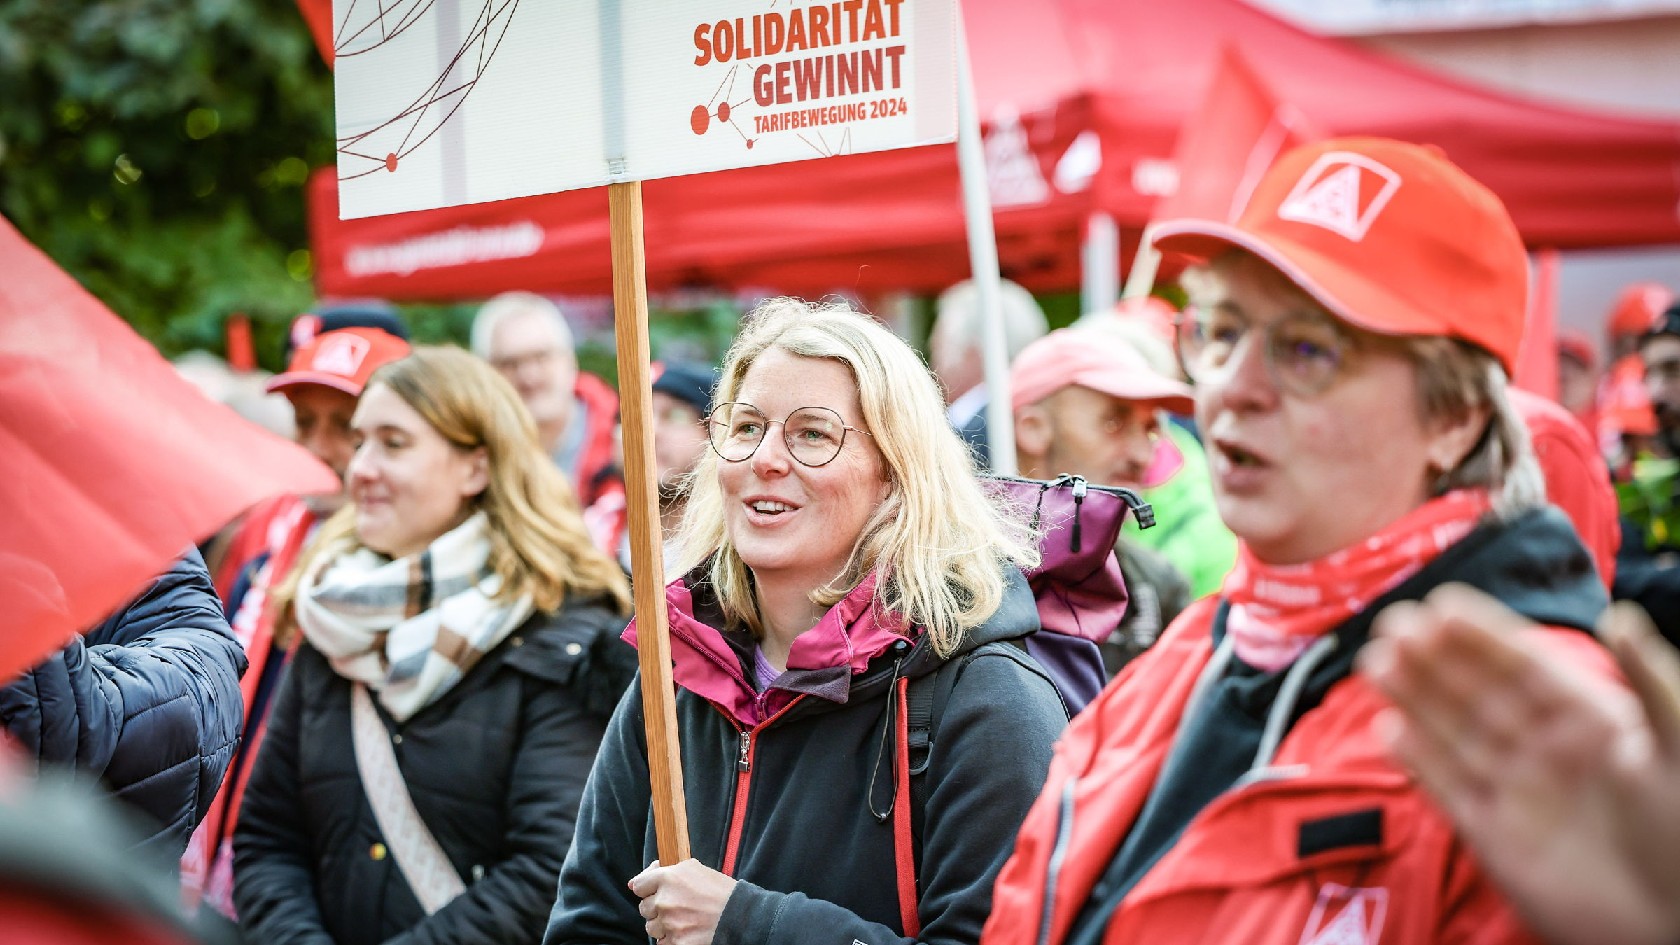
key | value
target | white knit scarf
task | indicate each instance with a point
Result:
(408, 628)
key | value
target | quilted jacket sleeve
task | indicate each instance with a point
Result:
(148, 701)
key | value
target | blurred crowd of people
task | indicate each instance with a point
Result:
(1369, 685)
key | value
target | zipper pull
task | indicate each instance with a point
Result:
(743, 759)
(1079, 490)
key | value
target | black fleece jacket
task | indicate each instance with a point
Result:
(814, 863)
(495, 767)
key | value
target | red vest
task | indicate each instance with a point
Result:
(596, 460)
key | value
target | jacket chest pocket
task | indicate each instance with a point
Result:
(1307, 863)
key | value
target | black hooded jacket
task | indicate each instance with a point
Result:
(786, 806)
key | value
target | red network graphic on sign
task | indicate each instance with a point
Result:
(701, 118)
(372, 27)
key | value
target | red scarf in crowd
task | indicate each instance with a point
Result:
(1276, 611)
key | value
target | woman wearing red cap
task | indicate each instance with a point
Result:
(1350, 338)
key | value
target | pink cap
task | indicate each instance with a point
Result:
(1083, 357)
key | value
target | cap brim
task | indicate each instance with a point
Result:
(281, 382)
(1345, 293)
(1181, 403)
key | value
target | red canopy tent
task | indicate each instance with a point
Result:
(1114, 78)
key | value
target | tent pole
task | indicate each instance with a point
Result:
(1099, 264)
(983, 261)
(1145, 263)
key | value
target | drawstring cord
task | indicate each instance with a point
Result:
(894, 708)
(1284, 705)
(1289, 694)
(904, 850)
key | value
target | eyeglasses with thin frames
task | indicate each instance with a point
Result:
(814, 435)
(1305, 352)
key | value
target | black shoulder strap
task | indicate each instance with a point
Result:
(928, 695)
(926, 705)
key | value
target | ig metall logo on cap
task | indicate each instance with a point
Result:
(341, 354)
(1342, 192)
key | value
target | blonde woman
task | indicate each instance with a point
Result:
(841, 549)
(457, 603)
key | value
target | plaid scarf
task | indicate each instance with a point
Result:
(409, 628)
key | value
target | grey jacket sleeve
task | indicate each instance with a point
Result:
(594, 905)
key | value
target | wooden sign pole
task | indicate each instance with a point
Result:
(653, 635)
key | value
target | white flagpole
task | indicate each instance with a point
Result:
(983, 260)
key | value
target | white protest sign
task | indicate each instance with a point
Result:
(445, 102)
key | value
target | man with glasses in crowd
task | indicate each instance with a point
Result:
(525, 337)
(1089, 405)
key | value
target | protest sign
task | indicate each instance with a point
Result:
(442, 102)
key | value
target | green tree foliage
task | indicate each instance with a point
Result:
(158, 149)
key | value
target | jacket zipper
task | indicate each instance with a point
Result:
(745, 748)
(1058, 854)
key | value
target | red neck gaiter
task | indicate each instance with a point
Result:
(1276, 611)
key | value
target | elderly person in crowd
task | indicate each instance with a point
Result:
(525, 336)
(430, 740)
(841, 551)
(956, 352)
(1350, 338)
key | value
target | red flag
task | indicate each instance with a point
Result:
(114, 463)
(1227, 145)
(318, 14)
(1537, 358)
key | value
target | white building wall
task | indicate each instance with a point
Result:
(1630, 66)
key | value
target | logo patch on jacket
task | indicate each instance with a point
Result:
(1346, 915)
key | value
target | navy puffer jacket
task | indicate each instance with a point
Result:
(148, 701)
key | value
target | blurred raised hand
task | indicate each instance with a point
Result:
(1567, 785)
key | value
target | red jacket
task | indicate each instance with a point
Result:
(1577, 479)
(279, 529)
(597, 469)
(1259, 865)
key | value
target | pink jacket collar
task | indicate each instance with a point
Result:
(822, 662)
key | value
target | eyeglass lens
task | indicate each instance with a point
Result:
(1303, 352)
(813, 434)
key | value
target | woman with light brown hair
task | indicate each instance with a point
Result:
(429, 743)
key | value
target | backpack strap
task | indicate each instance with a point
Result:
(924, 699)
(904, 845)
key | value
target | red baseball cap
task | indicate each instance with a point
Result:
(343, 360)
(1637, 309)
(1388, 236)
(1578, 346)
(1088, 357)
